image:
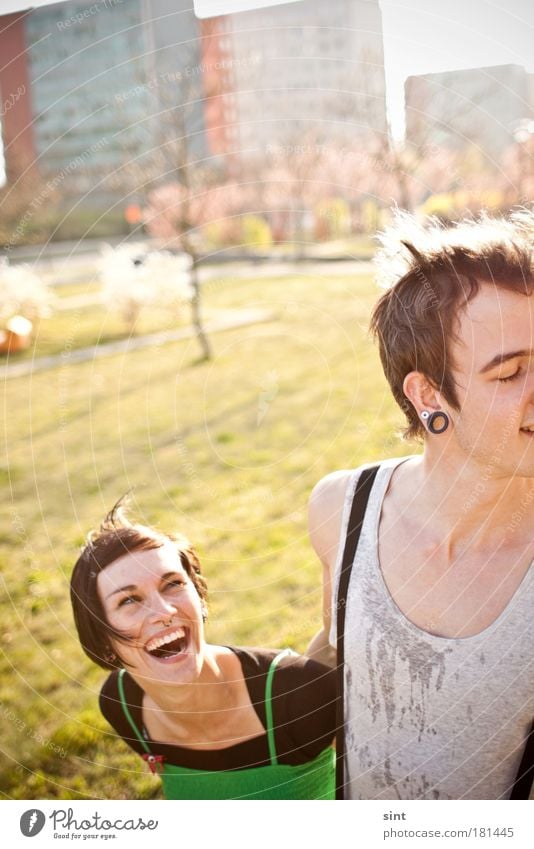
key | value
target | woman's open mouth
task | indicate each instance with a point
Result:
(169, 647)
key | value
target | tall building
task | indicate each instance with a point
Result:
(301, 68)
(99, 84)
(479, 106)
(120, 81)
(16, 113)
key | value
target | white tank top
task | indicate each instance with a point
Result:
(429, 717)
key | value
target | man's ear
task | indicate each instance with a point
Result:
(421, 393)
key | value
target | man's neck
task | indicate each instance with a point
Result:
(463, 505)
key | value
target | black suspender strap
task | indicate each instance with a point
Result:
(525, 773)
(357, 514)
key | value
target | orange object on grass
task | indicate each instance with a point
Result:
(16, 336)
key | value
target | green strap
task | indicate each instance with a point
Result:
(127, 713)
(268, 704)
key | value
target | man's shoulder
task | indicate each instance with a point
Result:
(331, 485)
(327, 502)
(331, 490)
(325, 511)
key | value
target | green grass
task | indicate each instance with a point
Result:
(93, 324)
(82, 287)
(226, 451)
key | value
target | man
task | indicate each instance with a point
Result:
(439, 629)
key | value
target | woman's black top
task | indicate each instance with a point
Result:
(304, 713)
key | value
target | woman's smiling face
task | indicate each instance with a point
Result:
(148, 596)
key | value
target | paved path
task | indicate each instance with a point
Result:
(275, 268)
(240, 271)
(226, 320)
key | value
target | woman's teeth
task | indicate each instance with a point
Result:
(178, 637)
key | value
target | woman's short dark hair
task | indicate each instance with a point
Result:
(116, 537)
(431, 271)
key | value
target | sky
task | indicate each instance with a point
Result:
(427, 36)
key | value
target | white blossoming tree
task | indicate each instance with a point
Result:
(22, 292)
(24, 297)
(134, 277)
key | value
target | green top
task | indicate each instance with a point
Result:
(312, 780)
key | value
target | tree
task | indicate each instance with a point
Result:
(133, 278)
(517, 179)
(292, 184)
(22, 292)
(168, 171)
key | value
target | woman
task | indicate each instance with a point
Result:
(217, 722)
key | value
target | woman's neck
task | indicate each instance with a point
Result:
(201, 704)
(213, 712)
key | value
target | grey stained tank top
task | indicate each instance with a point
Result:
(429, 717)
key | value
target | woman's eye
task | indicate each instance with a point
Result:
(177, 584)
(128, 599)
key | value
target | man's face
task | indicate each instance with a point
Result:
(494, 372)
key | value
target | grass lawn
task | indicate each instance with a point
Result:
(84, 287)
(226, 451)
(92, 323)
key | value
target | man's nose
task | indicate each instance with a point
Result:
(529, 384)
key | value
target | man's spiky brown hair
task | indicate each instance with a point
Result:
(430, 271)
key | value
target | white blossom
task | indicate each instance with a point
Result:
(134, 277)
(22, 292)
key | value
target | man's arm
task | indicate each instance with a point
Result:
(324, 522)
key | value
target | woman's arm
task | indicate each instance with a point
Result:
(305, 706)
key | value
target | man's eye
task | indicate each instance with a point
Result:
(510, 377)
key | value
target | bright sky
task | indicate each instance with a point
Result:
(427, 36)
